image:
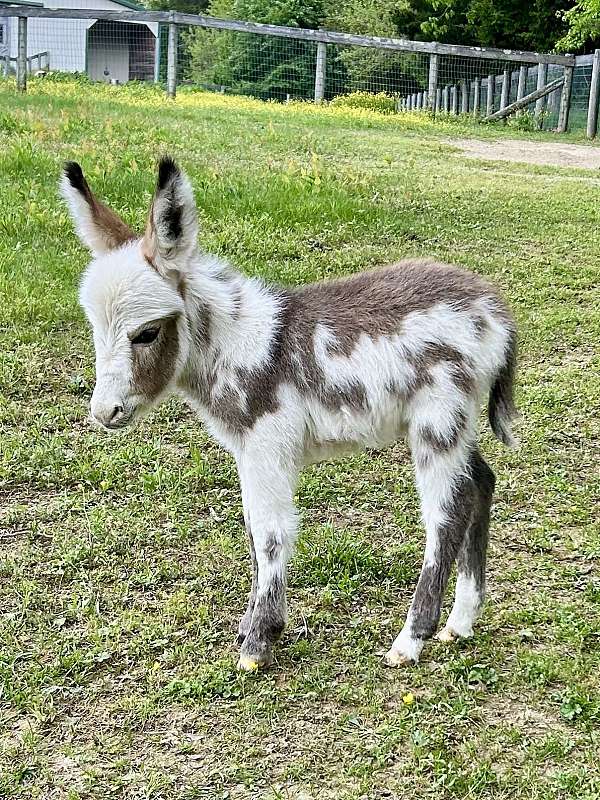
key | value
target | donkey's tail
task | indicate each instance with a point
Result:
(501, 405)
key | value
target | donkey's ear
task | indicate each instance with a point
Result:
(99, 228)
(172, 228)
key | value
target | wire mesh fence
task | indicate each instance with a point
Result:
(275, 63)
(482, 87)
(582, 80)
(359, 69)
(265, 67)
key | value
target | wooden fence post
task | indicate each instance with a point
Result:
(22, 55)
(157, 54)
(433, 82)
(491, 86)
(504, 96)
(464, 105)
(438, 99)
(320, 72)
(172, 58)
(542, 77)
(476, 96)
(522, 85)
(592, 119)
(565, 101)
(454, 91)
(445, 100)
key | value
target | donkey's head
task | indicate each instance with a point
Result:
(133, 293)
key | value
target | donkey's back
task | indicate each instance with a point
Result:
(410, 348)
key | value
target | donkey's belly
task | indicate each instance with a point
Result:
(341, 432)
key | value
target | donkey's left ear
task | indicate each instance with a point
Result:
(172, 229)
(99, 228)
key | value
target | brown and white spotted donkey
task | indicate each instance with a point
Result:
(284, 377)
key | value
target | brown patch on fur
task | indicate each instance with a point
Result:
(154, 364)
(436, 353)
(442, 441)
(480, 324)
(375, 302)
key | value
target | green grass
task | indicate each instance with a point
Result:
(123, 565)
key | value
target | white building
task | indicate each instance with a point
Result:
(106, 50)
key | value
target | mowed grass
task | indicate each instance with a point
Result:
(123, 565)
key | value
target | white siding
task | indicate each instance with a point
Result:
(64, 39)
(109, 62)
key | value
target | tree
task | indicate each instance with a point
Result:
(183, 6)
(583, 21)
(263, 66)
(516, 24)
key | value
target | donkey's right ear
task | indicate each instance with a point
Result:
(99, 228)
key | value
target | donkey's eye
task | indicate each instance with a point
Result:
(146, 337)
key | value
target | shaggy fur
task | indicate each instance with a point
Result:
(284, 377)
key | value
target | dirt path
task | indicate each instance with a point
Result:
(555, 154)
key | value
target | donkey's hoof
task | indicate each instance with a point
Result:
(247, 664)
(448, 634)
(395, 658)
(252, 663)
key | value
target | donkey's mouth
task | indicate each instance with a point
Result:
(124, 420)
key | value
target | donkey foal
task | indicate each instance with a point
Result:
(285, 377)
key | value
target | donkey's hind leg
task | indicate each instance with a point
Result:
(471, 559)
(447, 494)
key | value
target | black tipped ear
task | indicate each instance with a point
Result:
(172, 226)
(97, 226)
(167, 170)
(74, 174)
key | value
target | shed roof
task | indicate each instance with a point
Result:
(126, 3)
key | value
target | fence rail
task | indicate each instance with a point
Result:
(39, 61)
(432, 76)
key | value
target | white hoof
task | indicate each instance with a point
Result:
(395, 658)
(449, 634)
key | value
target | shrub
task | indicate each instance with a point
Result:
(381, 102)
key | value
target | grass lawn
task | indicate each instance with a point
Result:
(123, 565)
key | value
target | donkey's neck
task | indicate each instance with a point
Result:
(233, 319)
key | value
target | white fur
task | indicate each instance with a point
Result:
(82, 217)
(467, 604)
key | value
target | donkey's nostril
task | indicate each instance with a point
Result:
(117, 411)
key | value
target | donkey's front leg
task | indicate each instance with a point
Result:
(272, 517)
